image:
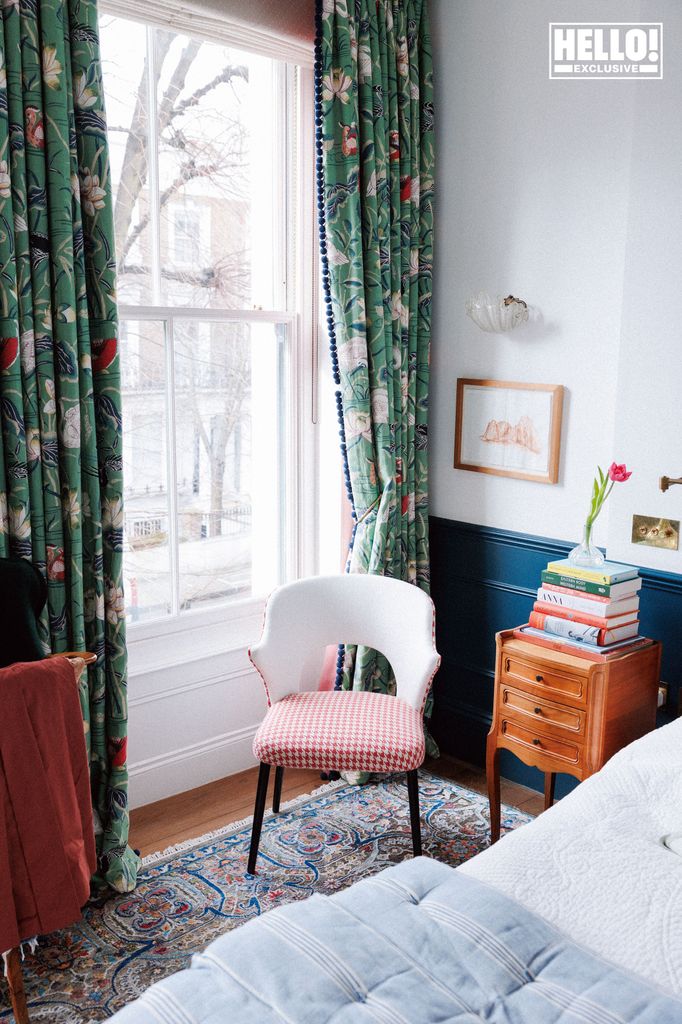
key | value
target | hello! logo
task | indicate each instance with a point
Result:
(620, 50)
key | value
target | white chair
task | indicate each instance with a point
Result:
(345, 730)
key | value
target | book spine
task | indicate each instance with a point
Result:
(594, 575)
(572, 614)
(570, 630)
(571, 583)
(577, 650)
(565, 595)
(555, 644)
(588, 605)
(606, 607)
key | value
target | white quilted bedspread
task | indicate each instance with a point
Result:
(595, 866)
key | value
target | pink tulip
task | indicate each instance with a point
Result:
(619, 473)
(602, 485)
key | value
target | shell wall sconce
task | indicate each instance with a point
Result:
(496, 316)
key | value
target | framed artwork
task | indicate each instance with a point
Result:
(509, 429)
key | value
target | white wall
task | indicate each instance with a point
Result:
(568, 195)
(649, 397)
(195, 702)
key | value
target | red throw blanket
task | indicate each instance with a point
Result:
(47, 846)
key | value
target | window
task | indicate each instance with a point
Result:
(187, 235)
(206, 167)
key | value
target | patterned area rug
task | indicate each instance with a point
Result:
(187, 897)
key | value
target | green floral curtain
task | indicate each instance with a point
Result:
(60, 400)
(374, 118)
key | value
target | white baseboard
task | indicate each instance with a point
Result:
(176, 771)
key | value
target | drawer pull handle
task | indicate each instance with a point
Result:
(536, 741)
(538, 679)
(538, 711)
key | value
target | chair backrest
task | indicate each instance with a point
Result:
(23, 593)
(303, 618)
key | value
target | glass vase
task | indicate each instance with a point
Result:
(586, 553)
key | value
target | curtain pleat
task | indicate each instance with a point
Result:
(60, 399)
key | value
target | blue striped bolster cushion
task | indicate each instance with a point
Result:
(417, 944)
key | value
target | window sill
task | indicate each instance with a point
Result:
(194, 636)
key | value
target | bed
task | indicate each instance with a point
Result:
(596, 864)
(576, 917)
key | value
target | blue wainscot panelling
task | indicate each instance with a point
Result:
(484, 580)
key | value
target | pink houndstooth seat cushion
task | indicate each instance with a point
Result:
(345, 730)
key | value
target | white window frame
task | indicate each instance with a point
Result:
(163, 641)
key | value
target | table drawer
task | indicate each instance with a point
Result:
(542, 712)
(545, 680)
(559, 750)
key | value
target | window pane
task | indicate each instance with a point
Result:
(124, 69)
(146, 558)
(211, 195)
(228, 414)
(219, 181)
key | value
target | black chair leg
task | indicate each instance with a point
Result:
(258, 812)
(413, 793)
(277, 794)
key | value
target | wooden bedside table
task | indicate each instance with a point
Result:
(563, 713)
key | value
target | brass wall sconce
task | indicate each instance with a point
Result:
(667, 481)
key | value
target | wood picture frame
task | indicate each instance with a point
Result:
(508, 428)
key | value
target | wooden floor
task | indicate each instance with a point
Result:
(192, 814)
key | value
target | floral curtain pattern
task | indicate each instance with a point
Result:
(60, 403)
(374, 116)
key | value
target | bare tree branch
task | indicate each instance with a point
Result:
(177, 82)
(189, 172)
(134, 167)
(206, 277)
(226, 75)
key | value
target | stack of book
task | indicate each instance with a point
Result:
(588, 611)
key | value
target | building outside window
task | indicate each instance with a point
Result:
(187, 232)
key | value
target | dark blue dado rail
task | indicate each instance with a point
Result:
(484, 580)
